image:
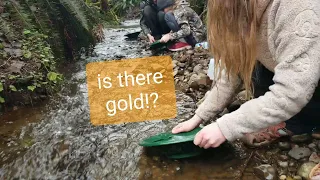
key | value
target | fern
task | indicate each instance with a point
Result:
(6, 30)
(74, 7)
(18, 11)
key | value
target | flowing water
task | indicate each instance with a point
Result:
(57, 141)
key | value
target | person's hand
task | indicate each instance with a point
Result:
(209, 136)
(151, 38)
(187, 125)
(165, 38)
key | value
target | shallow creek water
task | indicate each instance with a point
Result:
(57, 141)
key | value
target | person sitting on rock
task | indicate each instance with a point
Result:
(152, 21)
(185, 24)
(274, 45)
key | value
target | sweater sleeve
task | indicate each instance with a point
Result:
(294, 40)
(181, 16)
(219, 97)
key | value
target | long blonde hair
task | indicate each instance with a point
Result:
(232, 28)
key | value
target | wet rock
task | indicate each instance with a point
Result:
(284, 145)
(265, 172)
(175, 72)
(175, 62)
(300, 138)
(193, 81)
(203, 80)
(297, 178)
(197, 69)
(313, 147)
(305, 169)
(283, 164)
(299, 153)
(186, 73)
(314, 158)
(182, 65)
(283, 177)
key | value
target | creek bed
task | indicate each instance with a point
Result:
(64, 145)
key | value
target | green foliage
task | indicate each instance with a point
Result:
(75, 8)
(13, 88)
(6, 29)
(2, 100)
(36, 48)
(121, 6)
(31, 88)
(1, 87)
(50, 31)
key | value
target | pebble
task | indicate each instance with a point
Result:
(305, 169)
(292, 164)
(300, 138)
(182, 65)
(265, 172)
(299, 153)
(283, 164)
(197, 69)
(297, 178)
(313, 146)
(283, 157)
(314, 158)
(284, 145)
(283, 177)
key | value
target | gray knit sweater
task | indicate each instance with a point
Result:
(288, 45)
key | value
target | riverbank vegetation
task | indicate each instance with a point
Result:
(35, 36)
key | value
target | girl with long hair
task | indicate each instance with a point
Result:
(272, 47)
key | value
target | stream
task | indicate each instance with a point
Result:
(57, 141)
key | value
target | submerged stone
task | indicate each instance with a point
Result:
(299, 153)
(265, 172)
(305, 169)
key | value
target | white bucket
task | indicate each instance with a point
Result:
(211, 69)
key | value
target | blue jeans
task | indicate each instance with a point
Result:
(155, 21)
(174, 26)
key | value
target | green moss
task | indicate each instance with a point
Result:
(50, 32)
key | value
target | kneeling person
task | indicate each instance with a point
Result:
(184, 22)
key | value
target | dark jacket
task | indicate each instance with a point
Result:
(143, 25)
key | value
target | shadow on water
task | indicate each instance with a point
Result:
(64, 144)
